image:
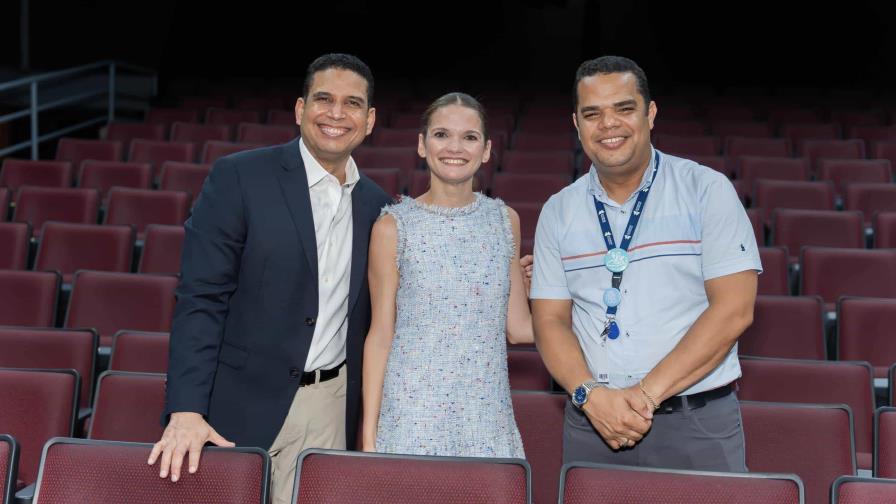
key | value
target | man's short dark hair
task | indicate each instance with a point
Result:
(343, 62)
(609, 65)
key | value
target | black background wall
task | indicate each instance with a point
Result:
(718, 43)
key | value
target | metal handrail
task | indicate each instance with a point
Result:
(34, 106)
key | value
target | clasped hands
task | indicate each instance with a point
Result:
(622, 417)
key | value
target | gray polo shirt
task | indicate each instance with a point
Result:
(693, 228)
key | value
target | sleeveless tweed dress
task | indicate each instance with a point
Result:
(446, 390)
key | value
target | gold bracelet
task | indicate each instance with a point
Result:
(650, 399)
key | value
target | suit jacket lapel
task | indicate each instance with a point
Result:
(294, 183)
(360, 237)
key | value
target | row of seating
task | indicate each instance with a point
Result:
(103, 301)
(764, 379)
(820, 439)
(37, 206)
(92, 471)
(30, 296)
(761, 118)
(794, 229)
(68, 247)
(82, 204)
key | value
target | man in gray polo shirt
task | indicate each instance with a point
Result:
(644, 278)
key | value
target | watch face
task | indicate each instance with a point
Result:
(579, 396)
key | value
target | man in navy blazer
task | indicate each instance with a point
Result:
(273, 304)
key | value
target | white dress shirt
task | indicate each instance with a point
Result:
(331, 206)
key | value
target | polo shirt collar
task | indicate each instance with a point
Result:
(595, 187)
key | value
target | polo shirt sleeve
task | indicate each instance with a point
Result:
(548, 276)
(729, 245)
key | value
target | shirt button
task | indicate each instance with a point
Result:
(310, 321)
(294, 372)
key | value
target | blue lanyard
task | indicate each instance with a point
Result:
(611, 328)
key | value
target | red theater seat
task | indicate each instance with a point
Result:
(44, 348)
(586, 483)
(67, 248)
(109, 471)
(28, 298)
(822, 382)
(128, 407)
(110, 302)
(785, 326)
(337, 477)
(818, 439)
(145, 352)
(35, 406)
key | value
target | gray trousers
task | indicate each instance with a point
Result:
(710, 438)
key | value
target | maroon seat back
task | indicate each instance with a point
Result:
(157, 153)
(76, 150)
(67, 247)
(16, 173)
(265, 134)
(336, 477)
(14, 237)
(524, 188)
(387, 178)
(404, 159)
(104, 175)
(125, 132)
(885, 442)
(864, 332)
(771, 194)
(818, 440)
(214, 150)
(835, 272)
(558, 162)
(795, 229)
(142, 207)
(185, 177)
(870, 198)
(530, 141)
(162, 249)
(819, 382)
(539, 416)
(28, 298)
(36, 205)
(36, 405)
(774, 277)
(585, 483)
(128, 407)
(527, 371)
(82, 470)
(39, 348)
(136, 351)
(885, 230)
(110, 302)
(856, 490)
(843, 172)
(789, 327)
(9, 467)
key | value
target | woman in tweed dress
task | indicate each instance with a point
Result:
(447, 292)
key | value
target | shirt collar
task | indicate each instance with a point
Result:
(595, 187)
(316, 172)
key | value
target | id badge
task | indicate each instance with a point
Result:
(603, 365)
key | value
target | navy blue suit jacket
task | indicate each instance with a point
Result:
(247, 302)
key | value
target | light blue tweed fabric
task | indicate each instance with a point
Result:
(446, 390)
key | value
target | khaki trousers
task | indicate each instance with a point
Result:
(316, 419)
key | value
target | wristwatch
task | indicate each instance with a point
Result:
(581, 393)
